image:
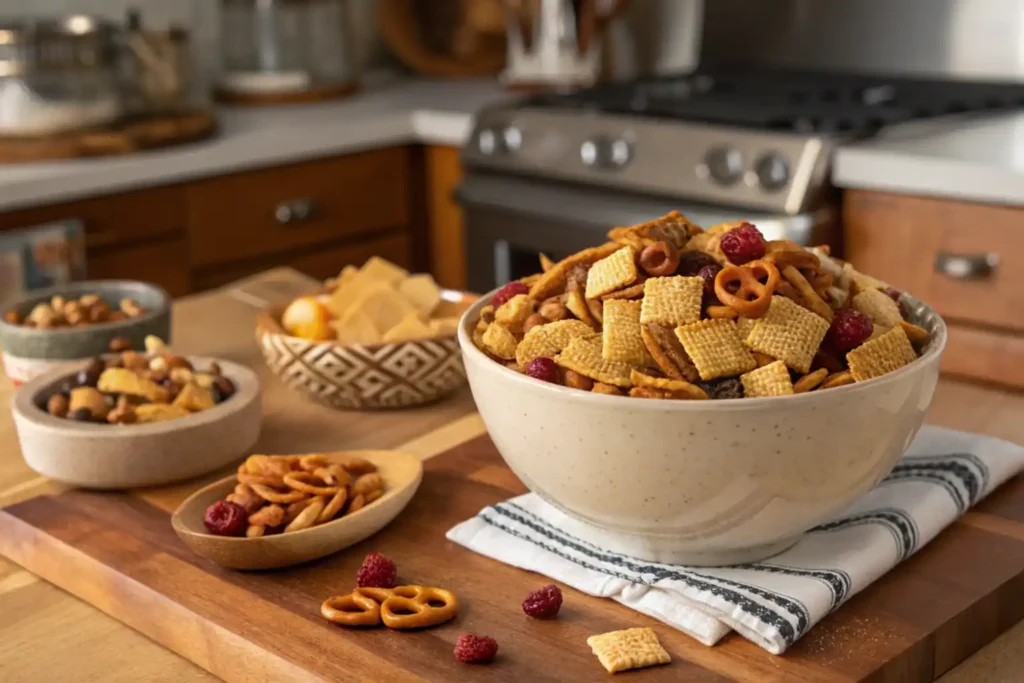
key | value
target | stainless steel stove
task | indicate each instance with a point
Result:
(551, 172)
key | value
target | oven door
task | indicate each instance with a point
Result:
(511, 220)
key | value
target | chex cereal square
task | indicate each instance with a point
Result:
(715, 348)
(672, 301)
(583, 355)
(880, 356)
(622, 340)
(611, 273)
(544, 341)
(789, 332)
(632, 648)
(771, 380)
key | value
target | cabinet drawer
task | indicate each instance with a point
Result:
(111, 220)
(321, 263)
(257, 213)
(931, 247)
(164, 263)
(985, 355)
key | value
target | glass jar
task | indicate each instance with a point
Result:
(286, 45)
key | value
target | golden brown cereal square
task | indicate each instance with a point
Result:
(878, 306)
(789, 332)
(632, 648)
(771, 380)
(672, 301)
(583, 355)
(125, 381)
(611, 273)
(880, 356)
(548, 340)
(498, 341)
(621, 340)
(677, 387)
(715, 348)
(514, 312)
(745, 326)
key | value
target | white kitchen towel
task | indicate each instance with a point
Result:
(771, 603)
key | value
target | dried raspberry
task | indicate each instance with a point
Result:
(849, 329)
(894, 294)
(507, 292)
(708, 273)
(225, 518)
(543, 603)
(690, 262)
(828, 358)
(722, 388)
(475, 649)
(743, 244)
(543, 369)
(377, 572)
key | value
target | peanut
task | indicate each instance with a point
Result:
(553, 310)
(575, 380)
(57, 405)
(602, 388)
(155, 345)
(534, 320)
(118, 344)
(131, 308)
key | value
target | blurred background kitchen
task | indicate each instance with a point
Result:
(195, 143)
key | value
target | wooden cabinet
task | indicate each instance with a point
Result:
(447, 230)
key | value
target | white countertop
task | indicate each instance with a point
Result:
(975, 158)
(431, 112)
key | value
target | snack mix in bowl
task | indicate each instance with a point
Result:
(666, 310)
(88, 309)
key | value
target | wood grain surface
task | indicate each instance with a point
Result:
(38, 619)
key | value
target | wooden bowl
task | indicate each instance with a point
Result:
(401, 472)
(102, 456)
(364, 377)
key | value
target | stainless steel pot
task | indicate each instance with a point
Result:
(58, 75)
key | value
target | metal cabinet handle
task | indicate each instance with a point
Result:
(294, 211)
(966, 266)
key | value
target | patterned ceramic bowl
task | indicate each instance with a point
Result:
(362, 377)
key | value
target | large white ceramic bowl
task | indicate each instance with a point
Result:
(701, 482)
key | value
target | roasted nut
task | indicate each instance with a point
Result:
(214, 369)
(611, 390)
(577, 278)
(534, 320)
(89, 376)
(134, 360)
(487, 314)
(181, 376)
(224, 388)
(131, 308)
(119, 344)
(74, 313)
(91, 399)
(57, 405)
(116, 316)
(553, 310)
(12, 317)
(659, 259)
(81, 415)
(159, 364)
(89, 300)
(43, 316)
(155, 345)
(58, 302)
(367, 483)
(99, 312)
(575, 380)
(174, 361)
(122, 414)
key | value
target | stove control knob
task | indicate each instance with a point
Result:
(772, 171)
(604, 153)
(724, 165)
(489, 142)
(512, 137)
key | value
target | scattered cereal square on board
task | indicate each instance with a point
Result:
(789, 332)
(715, 348)
(672, 300)
(771, 380)
(611, 273)
(499, 341)
(546, 341)
(632, 648)
(878, 306)
(880, 356)
(621, 339)
(583, 355)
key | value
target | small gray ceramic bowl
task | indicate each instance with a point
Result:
(29, 352)
(104, 456)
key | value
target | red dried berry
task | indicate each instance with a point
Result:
(508, 291)
(743, 244)
(708, 273)
(543, 369)
(894, 294)
(473, 649)
(690, 262)
(828, 358)
(543, 603)
(849, 329)
(377, 571)
(225, 518)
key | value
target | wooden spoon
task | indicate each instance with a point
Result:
(401, 472)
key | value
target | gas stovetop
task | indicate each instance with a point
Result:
(761, 140)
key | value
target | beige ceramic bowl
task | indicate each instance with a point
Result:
(103, 456)
(361, 377)
(701, 482)
(401, 472)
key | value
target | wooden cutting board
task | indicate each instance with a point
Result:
(118, 552)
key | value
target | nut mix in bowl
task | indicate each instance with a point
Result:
(810, 350)
(377, 338)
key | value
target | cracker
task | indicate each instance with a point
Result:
(356, 328)
(411, 327)
(194, 398)
(715, 348)
(382, 270)
(125, 381)
(445, 327)
(632, 648)
(673, 227)
(554, 280)
(771, 380)
(498, 341)
(789, 332)
(668, 354)
(672, 300)
(677, 387)
(621, 340)
(514, 312)
(577, 305)
(877, 357)
(583, 355)
(159, 412)
(810, 382)
(548, 340)
(383, 305)
(611, 273)
(878, 306)
(422, 292)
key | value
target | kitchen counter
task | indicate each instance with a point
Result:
(39, 619)
(428, 112)
(973, 157)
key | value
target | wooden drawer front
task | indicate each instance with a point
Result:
(899, 240)
(321, 263)
(985, 355)
(164, 263)
(234, 217)
(111, 220)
